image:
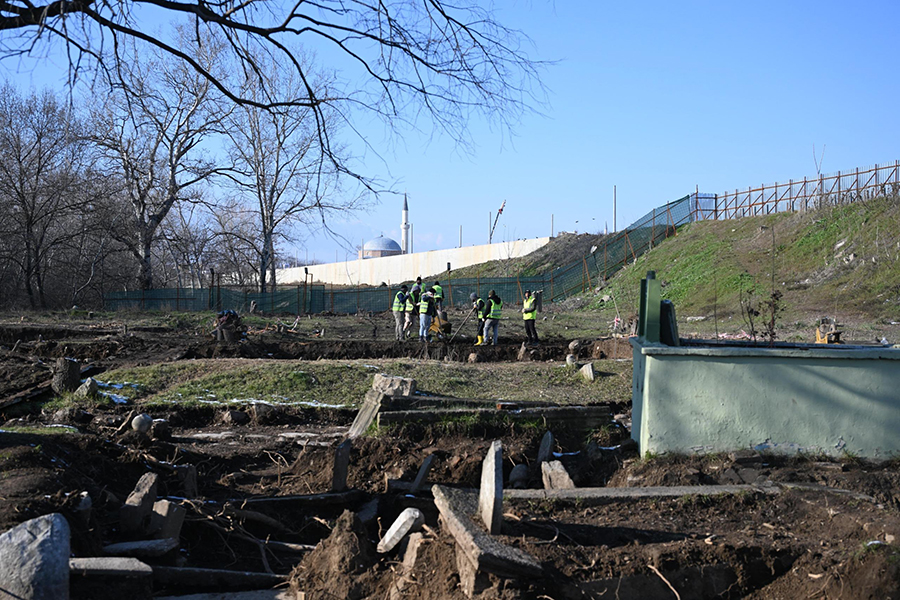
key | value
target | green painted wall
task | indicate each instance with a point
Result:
(702, 399)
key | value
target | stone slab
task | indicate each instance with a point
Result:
(636, 493)
(142, 548)
(341, 466)
(490, 496)
(306, 501)
(555, 476)
(166, 519)
(367, 413)
(583, 418)
(186, 577)
(483, 551)
(545, 451)
(393, 386)
(422, 475)
(34, 559)
(109, 566)
(251, 595)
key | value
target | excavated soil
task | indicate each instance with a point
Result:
(774, 542)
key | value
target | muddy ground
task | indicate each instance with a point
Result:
(771, 542)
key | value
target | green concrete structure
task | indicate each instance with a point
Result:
(706, 397)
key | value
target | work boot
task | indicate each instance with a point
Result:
(479, 341)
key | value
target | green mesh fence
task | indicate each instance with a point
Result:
(610, 255)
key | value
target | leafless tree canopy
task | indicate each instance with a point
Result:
(398, 57)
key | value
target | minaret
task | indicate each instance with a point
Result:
(404, 227)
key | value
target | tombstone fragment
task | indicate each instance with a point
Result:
(88, 389)
(587, 371)
(555, 476)
(341, 466)
(545, 450)
(422, 475)
(518, 478)
(394, 386)
(411, 519)
(139, 503)
(570, 360)
(367, 413)
(66, 376)
(490, 497)
(166, 519)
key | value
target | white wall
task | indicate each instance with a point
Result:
(406, 267)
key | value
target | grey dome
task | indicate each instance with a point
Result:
(382, 244)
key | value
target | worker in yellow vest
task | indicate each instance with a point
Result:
(398, 307)
(493, 311)
(529, 312)
(438, 297)
(411, 313)
(478, 308)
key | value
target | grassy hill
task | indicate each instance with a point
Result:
(841, 261)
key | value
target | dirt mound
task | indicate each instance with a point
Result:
(341, 565)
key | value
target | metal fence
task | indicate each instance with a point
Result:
(610, 254)
(821, 191)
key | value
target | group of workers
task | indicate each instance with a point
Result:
(429, 303)
(425, 302)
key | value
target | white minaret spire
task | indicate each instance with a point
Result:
(404, 227)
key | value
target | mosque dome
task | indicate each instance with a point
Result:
(381, 246)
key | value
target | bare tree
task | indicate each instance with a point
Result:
(40, 168)
(400, 58)
(279, 169)
(150, 132)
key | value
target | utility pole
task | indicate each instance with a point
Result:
(614, 210)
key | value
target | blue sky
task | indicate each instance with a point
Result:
(654, 98)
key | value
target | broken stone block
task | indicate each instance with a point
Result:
(490, 497)
(142, 423)
(422, 475)
(411, 519)
(34, 559)
(523, 353)
(518, 477)
(139, 503)
(407, 567)
(166, 519)
(88, 389)
(235, 417)
(341, 466)
(555, 476)
(472, 581)
(545, 451)
(66, 376)
(394, 386)
(587, 371)
(143, 548)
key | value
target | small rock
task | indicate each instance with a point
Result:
(394, 386)
(88, 389)
(555, 476)
(235, 417)
(142, 423)
(571, 360)
(263, 413)
(474, 357)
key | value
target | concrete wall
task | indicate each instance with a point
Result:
(703, 399)
(406, 267)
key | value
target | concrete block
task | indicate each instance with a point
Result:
(490, 497)
(341, 466)
(166, 519)
(545, 451)
(410, 520)
(394, 386)
(139, 503)
(555, 476)
(34, 559)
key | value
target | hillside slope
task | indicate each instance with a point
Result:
(840, 261)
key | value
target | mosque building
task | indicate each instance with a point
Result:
(382, 246)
